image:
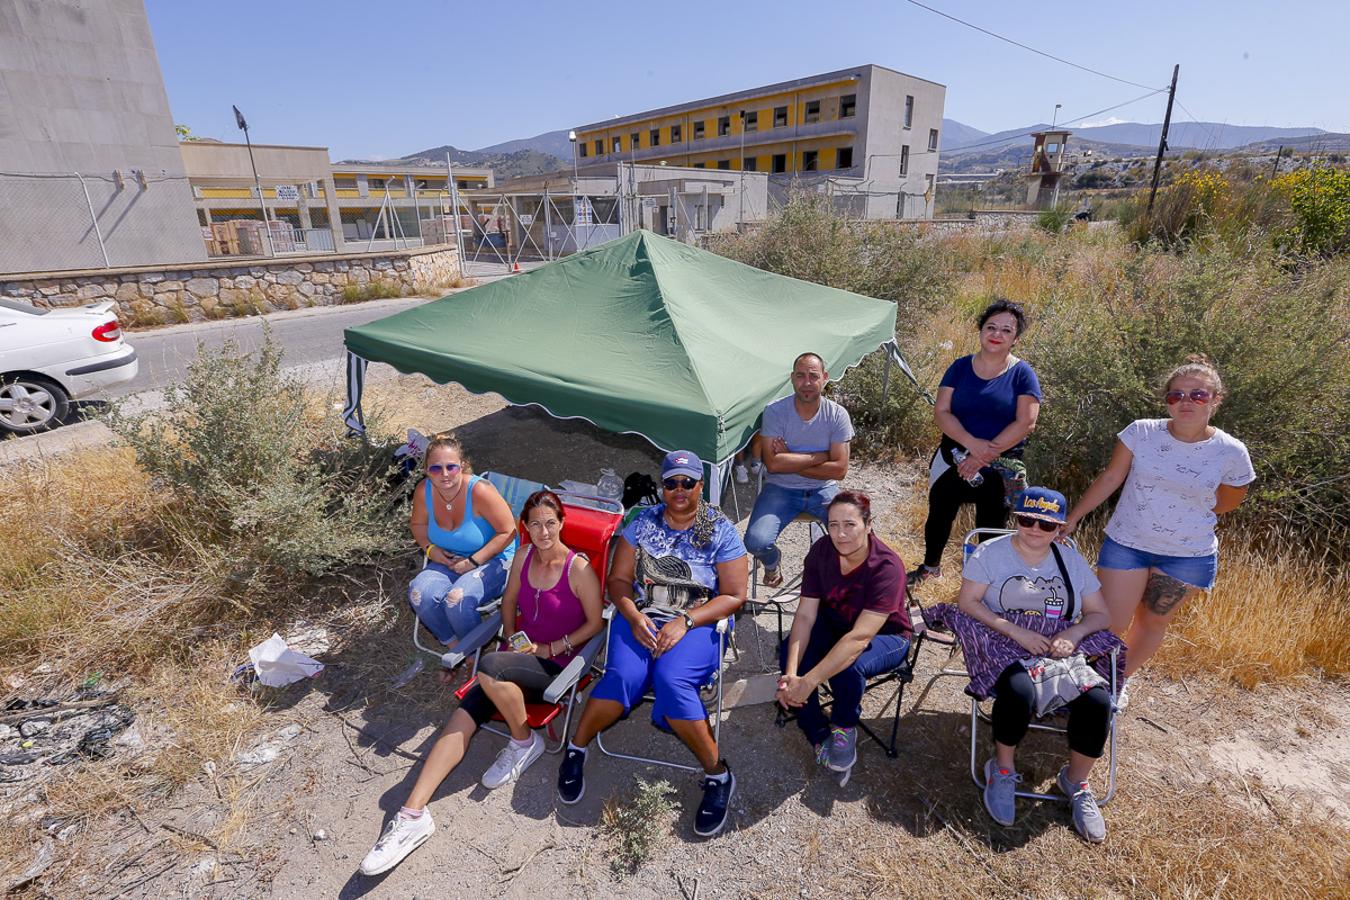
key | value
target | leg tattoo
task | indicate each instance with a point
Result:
(1163, 593)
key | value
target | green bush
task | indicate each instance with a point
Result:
(1319, 200)
(1054, 219)
(810, 241)
(634, 824)
(258, 488)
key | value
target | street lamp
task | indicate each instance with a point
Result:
(262, 202)
(1055, 117)
(572, 136)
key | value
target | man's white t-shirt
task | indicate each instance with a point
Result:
(1167, 504)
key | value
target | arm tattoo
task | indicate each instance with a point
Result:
(1163, 593)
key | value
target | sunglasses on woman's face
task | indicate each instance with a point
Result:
(1042, 524)
(683, 484)
(447, 468)
(1199, 395)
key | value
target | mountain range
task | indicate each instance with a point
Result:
(963, 146)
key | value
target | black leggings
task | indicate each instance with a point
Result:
(945, 498)
(532, 673)
(1014, 701)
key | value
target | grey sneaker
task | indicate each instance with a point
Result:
(512, 761)
(841, 749)
(1000, 793)
(1087, 816)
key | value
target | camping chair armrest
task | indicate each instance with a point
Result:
(579, 666)
(490, 606)
(474, 641)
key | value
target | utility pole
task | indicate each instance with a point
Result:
(1162, 141)
(1276, 170)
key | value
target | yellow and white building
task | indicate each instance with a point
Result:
(872, 130)
(301, 186)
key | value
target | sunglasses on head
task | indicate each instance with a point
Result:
(1042, 524)
(447, 468)
(1199, 395)
(683, 484)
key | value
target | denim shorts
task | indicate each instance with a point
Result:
(1197, 571)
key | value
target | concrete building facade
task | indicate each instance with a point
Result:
(90, 173)
(869, 132)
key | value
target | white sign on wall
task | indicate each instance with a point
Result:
(288, 192)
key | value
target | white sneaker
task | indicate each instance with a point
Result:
(742, 474)
(512, 761)
(755, 466)
(401, 837)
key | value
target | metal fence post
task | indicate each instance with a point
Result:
(93, 217)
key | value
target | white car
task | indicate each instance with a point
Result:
(49, 357)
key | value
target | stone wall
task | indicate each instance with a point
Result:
(193, 293)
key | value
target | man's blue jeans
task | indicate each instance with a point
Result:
(884, 653)
(775, 508)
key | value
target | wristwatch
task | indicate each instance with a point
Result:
(688, 621)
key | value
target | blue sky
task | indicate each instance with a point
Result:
(383, 80)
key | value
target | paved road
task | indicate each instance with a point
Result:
(307, 336)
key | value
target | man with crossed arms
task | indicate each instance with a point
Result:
(804, 447)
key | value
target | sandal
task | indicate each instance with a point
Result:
(773, 578)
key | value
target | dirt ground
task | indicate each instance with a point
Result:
(339, 754)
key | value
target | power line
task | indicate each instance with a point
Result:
(1213, 138)
(1004, 140)
(1009, 40)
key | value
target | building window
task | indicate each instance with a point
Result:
(844, 158)
(750, 164)
(932, 140)
(812, 111)
(618, 145)
(751, 118)
(724, 164)
(698, 130)
(780, 117)
(723, 126)
(700, 165)
(904, 160)
(909, 111)
(676, 134)
(655, 137)
(634, 141)
(778, 163)
(581, 149)
(599, 147)
(848, 106)
(810, 160)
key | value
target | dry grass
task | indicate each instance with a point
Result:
(1182, 841)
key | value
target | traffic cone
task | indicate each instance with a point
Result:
(515, 267)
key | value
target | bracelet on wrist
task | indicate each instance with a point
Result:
(567, 642)
(427, 550)
(473, 562)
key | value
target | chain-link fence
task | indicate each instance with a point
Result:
(75, 221)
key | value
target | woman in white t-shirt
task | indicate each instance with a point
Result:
(1179, 474)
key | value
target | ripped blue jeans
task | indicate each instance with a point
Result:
(448, 603)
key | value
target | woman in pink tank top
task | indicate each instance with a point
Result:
(552, 595)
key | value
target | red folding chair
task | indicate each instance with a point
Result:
(588, 530)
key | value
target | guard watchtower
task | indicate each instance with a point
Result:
(1047, 168)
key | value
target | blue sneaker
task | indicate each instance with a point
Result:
(712, 812)
(572, 776)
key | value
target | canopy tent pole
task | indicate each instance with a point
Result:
(716, 472)
(893, 353)
(356, 385)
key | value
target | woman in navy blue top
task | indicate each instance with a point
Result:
(987, 404)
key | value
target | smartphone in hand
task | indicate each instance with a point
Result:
(520, 642)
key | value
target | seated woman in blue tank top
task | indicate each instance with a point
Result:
(468, 535)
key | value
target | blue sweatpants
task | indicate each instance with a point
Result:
(674, 677)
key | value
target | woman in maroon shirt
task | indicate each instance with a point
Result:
(851, 624)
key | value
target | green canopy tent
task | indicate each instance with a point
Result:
(641, 335)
